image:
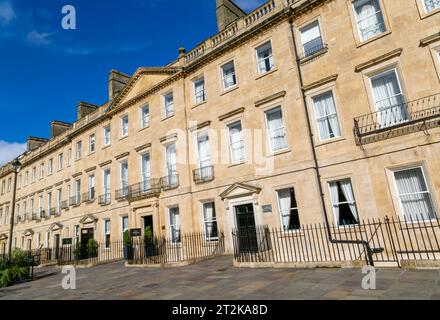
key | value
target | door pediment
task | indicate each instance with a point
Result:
(55, 227)
(3, 236)
(239, 190)
(28, 233)
(88, 219)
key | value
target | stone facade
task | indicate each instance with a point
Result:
(343, 64)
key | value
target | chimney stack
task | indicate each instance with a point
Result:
(58, 127)
(227, 12)
(117, 82)
(34, 142)
(85, 108)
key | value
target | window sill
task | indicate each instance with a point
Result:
(144, 128)
(379, 36)
(278, 153)
(314, 55)
(425, 15)
(266, 73)
(123, 138)
(229, 90)
(237, 164)
(199, 104)
(330, 141)
(92, 153)
(106, 147)
(169, 117)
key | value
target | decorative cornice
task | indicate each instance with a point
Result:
(321, 82)
(428, 40)
(382, 58)
(90, 169)
(105, 163)
(122, 155)
(67, 180)
(231, 114)
(76, 175)
(143, 147)
(58, 184)
(49, 188)
(200, 126)
(270, 98)
(169, 137)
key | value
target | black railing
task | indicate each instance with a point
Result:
(89, 196)
(64, 205)
(121, 194)
(170, 182)
(391, 240)
(105, 199)
(202, 175)
(161, 250)
(53, 212)
(75, 200)
(312, 52)
(145, 189)
(398, 119)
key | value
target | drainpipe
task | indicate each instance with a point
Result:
(315, 158)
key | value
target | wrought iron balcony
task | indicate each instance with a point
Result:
(53, 212)
(121, 194)
(75, 200)
(202, 175)
(400, 119)
(313, 52)
(89, 196)
(170, 182)
(64, 205)
(34, 217)
(146, 189)
(105, 199)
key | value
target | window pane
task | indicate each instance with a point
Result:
(229, 78)
(275, 128)
(431, 5)
(414, 195)
(265, 58)
(236, 142)
(326, 117)
(311, 39)
(369, 18)
(289, 209)
(199, 90)
(344, 204)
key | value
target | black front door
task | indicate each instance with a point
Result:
(246, 229)
(148, 223)
(57, 246)
(86, 250)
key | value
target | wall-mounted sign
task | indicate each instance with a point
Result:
(267, 208)
(135, 232)
(67, 241)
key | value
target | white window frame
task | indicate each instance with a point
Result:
(124, 187)
(229, 125)
(107, 135)
(201, 92)
(166, 105)
(345, 202)
(321, 139)
(426, 8)
(78, 150)
(259, 61)
(41, 175)
(123, 229)
(59, 200)
(399, 196)
(92, 143)
(205, 221)
(222, 70)
(268, 136)
(277, 191)
(124, 133)
(171, 226)
(106, 188)
(310, 52)
(50, 165)
(361, 37)
(91, 187)
(145, 119)
(78, 186)
(107, 232)
(60, 161)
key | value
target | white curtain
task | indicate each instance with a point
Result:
(285, 201)
(146, 168)
(311, 38)
(276, 129)
(237, 143)
(175, 224)
(326, 116)
(210, 219)
(171, 164)
(414, 195)
(204, 151)
(335, 200)
(265, 58)
(229, 75)
(432, 5)
(389, 99)
(369, 17)
(348, 193)
(169, 104)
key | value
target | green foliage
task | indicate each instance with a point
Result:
(92, 248)
(15, 270)
(127, 239)
(148, 234)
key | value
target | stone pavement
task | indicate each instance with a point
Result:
(217, 279)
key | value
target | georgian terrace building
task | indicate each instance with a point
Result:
(296, 110)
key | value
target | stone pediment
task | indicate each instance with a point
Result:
(88, 219)
(239, 190)
(55, 227)
(28, 233)
(3, 236)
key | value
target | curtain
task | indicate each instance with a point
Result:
(414, 195)
(369, 17)
(237, 143)
(229, 75)
(204, 151)
(265, 58)
(432, 5)
(276, 129)
(335, 199)
(210, 220)
(175, 224)
(348, 193)
(285, 200)
(326, 116)
(389, 99)
(171, 164)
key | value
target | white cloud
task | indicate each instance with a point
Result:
(9, 151)
(7, 13)
(38, 38)
(249, 5)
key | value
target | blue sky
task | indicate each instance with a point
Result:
(46, 70)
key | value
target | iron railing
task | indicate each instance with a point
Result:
(144, 189)
(392, 240)
(202, 175)
(75, 200)
(105, 199)
(398, 119)
(121, 194)
(88, 196)
(162, 250)
(313, 52)
(170, 182)
(64, 204)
